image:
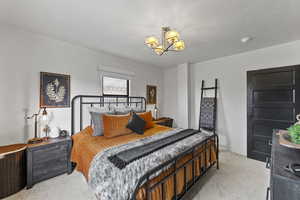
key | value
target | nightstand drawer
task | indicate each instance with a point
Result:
(49, 169)
(50, 153)
(164, 121)
(48, 159)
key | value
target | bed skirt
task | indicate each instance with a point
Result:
(162, 186)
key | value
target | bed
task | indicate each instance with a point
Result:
(164, 180)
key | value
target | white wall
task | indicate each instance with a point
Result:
(176, 95)
(170, 94)
(23, 55)
(231, 72)
(183, 95)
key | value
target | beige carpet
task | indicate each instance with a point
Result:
(239, 178)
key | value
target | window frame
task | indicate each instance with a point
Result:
(113, 95)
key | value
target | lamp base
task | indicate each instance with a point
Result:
(35, 140)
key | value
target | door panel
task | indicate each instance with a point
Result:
(261, 145)
(271, 104)
(269, 79)
(265, 128)
(270, 96)
(273, 113)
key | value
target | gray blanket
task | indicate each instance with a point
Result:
(123, 158)
(108, 182)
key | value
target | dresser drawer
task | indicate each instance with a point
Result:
(284, 189)
(49, 169)
(48, 159)
(47, 154)
(165, 122)
(283, 184)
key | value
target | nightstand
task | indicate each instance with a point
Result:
(48, 159)
(164, 121)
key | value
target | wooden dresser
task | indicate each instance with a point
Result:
(12, 169)
(164, 121)
(48, 159)
(283, 184)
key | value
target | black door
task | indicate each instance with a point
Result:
(272, 96)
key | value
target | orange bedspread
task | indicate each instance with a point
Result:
(85, 147)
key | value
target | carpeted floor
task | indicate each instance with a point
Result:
(239, 178)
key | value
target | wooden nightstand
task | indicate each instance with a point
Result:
(164, 121)
(48, 159)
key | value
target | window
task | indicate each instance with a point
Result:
(115, 86)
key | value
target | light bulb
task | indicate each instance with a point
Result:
(172, 36)
(151, 42)
(178, 46)
(44, 118)
(159, 50)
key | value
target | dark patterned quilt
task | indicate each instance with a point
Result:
(108, 182)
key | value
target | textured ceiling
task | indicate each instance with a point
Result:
(210, 28)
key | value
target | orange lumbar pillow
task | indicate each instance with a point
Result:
(115, 125)
(147, 117)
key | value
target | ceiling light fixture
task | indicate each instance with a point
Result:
(246, 39)
(170, 41)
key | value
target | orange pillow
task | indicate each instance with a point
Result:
(88, 130)
(147, 116)
(115, 125)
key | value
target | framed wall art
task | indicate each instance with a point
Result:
(151, 94)
(54, 90)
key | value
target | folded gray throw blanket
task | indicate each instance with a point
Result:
(108, 182)
(123, 158)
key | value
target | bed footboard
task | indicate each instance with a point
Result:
(179, 174)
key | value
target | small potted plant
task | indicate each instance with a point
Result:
(294, 133)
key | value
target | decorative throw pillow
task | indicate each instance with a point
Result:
(98, 109)
(97, 120)
(122, 109)
(147, 117)
(115, 125)
(136, 108)
(137, 124)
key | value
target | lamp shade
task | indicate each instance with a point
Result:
(159, 50)
(178, 46)
(172, 36)
(155, 111)
(44, 115)
(151, 42)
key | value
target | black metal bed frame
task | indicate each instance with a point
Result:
(197, 155)
(172, 164)
(93, 100)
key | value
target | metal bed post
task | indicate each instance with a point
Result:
(215, 119)
(91, 122)
(175, 180)
(72, 115)
(202, 86)
(80, 99)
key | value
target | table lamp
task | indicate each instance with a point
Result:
(155, 112)
(36, 139)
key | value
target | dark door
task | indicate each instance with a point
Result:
(272, 97)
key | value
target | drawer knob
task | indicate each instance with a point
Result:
(268, 193)
(270, 143)
(268, 163)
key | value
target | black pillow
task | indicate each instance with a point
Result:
(136, 124)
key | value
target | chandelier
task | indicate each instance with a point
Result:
(170, 41)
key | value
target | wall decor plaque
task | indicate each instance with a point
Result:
(54, 90)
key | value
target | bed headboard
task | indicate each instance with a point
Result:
(80, 102)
